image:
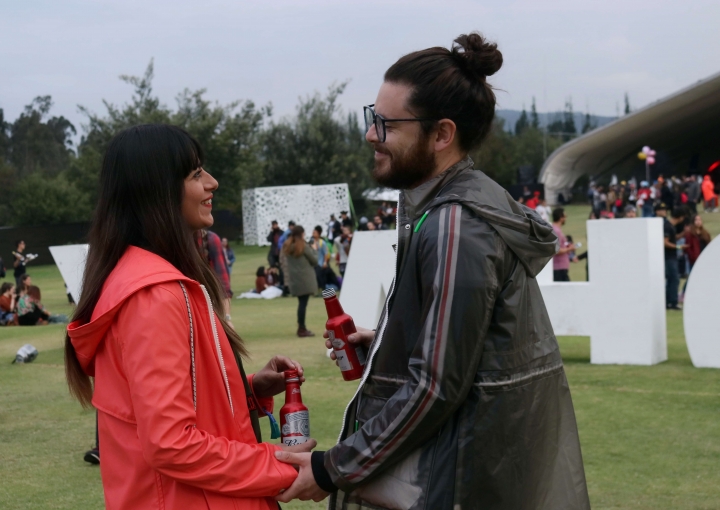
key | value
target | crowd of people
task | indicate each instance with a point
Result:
(21, 303)
(626, 197)
(301, 266)
(384, 219)
(675, 200)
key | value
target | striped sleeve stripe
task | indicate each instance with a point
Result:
(434, 347)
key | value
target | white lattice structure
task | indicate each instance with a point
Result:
(304, 204)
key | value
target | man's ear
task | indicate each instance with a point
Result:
(444, 134)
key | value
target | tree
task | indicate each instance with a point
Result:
(39, 145)
(502, 153)
(229, 134)
(589, 124)
(627, 104)
(522, 123)
(318, 146)
(534, 119)
(569, 129)
(38, 200)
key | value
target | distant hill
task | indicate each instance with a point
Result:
(511, 117)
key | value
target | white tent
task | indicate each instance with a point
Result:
(381, 194)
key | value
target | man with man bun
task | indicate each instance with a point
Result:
(464, 403)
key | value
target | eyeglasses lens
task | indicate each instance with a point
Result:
(380, 128)
(369, 118)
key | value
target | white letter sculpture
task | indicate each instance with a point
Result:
(70, 260)
(368, 276)
(702, 302)
(622, 307)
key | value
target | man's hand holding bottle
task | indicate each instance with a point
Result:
(362, 337)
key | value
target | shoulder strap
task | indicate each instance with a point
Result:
(192, 345)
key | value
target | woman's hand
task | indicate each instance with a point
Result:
(361, 337)
(270, 380)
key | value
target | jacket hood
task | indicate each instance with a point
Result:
(135, 270)
(530, 238)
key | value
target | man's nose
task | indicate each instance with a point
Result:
(371, 136)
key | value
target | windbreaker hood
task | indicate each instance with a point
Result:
(530, 238)
(135, 270)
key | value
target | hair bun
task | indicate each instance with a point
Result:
(477, 55)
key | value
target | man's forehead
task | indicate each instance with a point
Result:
(392, 100)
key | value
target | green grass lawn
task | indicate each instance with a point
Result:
(650, 435)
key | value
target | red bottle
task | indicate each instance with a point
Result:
(294, 415)
(340, 325)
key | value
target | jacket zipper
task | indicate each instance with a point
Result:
(379, 336)
(217, 346)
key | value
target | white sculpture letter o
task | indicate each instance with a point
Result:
(702, 304)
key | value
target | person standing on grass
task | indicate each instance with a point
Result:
(229, 255)
(696, 240)
(298, 261)
(273, 238)
(561, 260)
(177, 415)
(342, 248)
(672, 276)
(464, 403)
(211, 246)
(19, 261)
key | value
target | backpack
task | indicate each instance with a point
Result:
(26, 354)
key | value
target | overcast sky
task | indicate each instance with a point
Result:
(276, 51)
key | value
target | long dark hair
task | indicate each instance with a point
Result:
(139, 204)
(295, 243)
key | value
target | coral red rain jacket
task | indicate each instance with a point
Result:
(157, 450)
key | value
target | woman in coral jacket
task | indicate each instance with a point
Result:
(177, 416)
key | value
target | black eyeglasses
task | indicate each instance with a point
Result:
(372, 118)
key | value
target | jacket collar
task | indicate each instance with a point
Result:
(414, 201)
(135, 270)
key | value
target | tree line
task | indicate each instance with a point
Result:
(47, 179)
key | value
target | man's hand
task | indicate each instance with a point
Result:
(305, 447)
(361, 337)
(270, 380)
(304, 486)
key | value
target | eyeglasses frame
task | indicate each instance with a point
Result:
(383, 120)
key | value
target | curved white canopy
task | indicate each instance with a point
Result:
(680, 126)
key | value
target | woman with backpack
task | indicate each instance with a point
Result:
(177, 415)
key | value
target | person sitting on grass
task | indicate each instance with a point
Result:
(8, 317)
(260, 280)
(31, 311)
(272, 277)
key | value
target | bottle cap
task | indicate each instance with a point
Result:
(328, 293)
(291, 374)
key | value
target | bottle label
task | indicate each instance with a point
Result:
(296, 429)
(342, 360)
(337, 343)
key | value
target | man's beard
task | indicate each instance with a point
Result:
(409, 169)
